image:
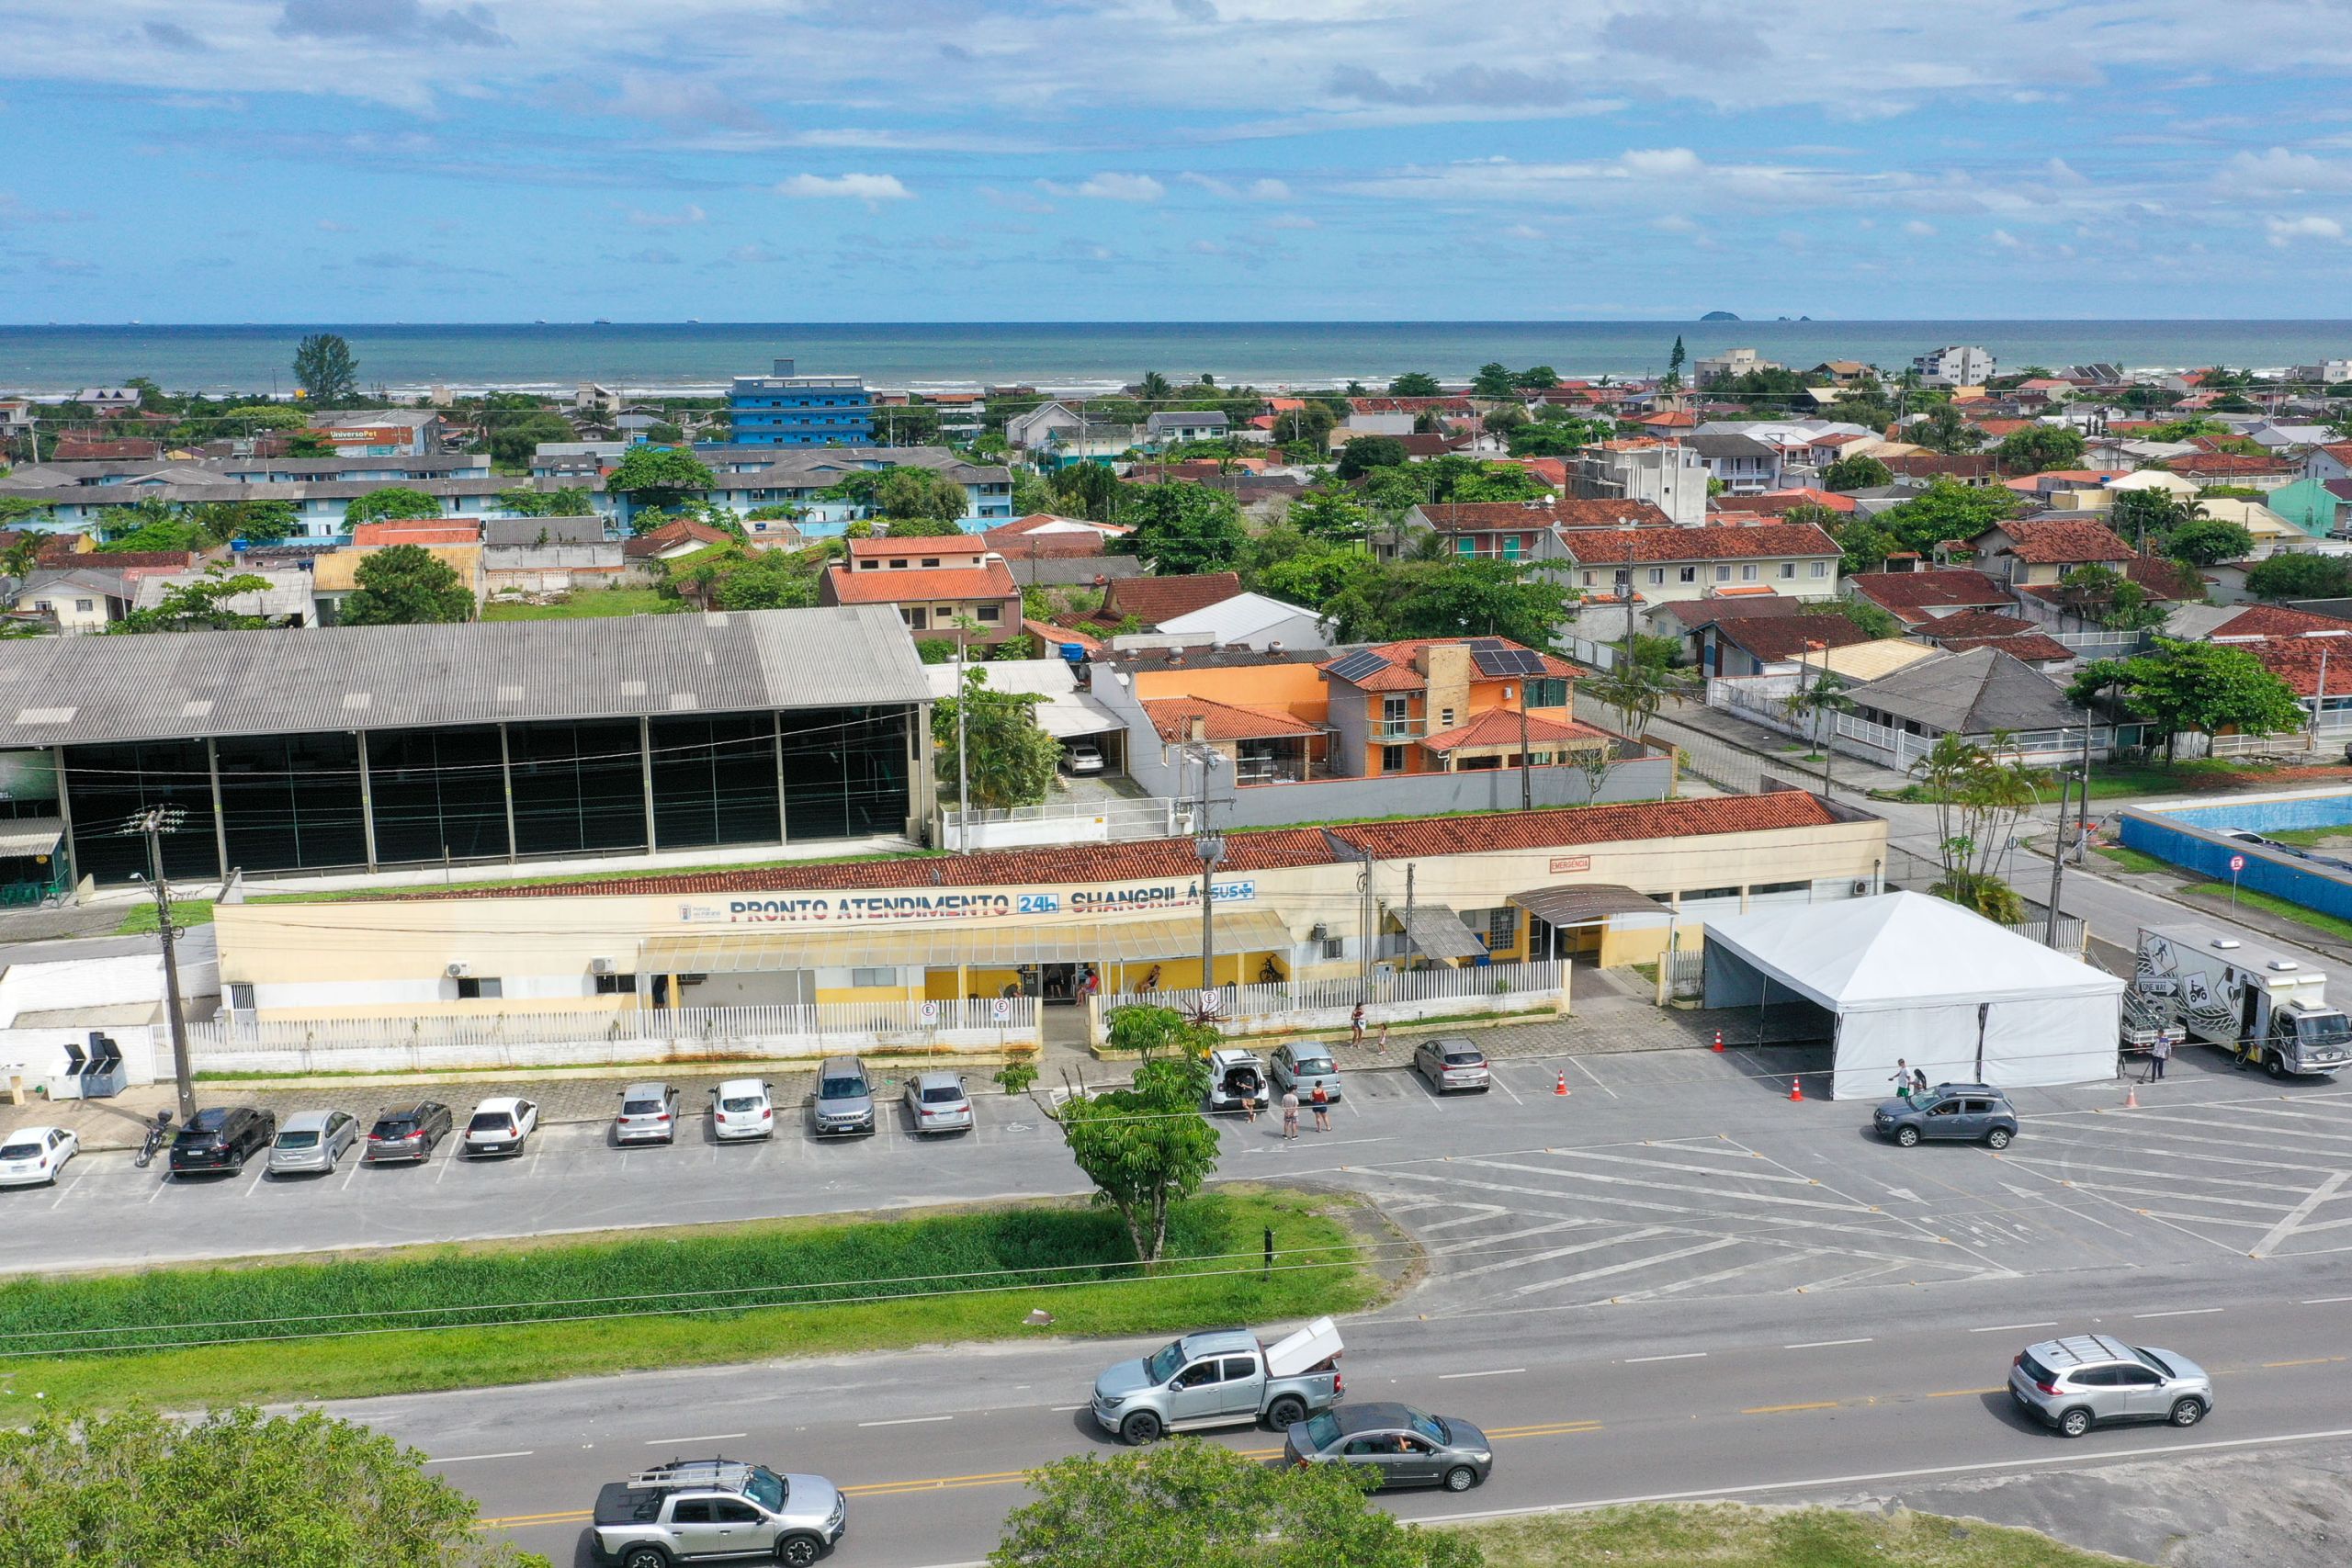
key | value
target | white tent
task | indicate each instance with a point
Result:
(1911, 976)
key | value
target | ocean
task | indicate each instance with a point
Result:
(404, 360)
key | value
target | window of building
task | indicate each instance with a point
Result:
(1821, 568)
(480, 987)
(990, 614)
(1759, 888)
(1686, 574)
(1502, 928)
(1445, 719)
(1698, 893)
(1392, 759)
(931, 560)
(897, 564)
(1722, 574)
(1657, 575)
(1590, 578)
(873, 978)
(616, 985)
(1546, 693)
(1788, 568)
(1747, 573)
(86, 606)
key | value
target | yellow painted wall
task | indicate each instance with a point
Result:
(1293, 688)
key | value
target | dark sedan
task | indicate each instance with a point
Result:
(1402, 1445)
(407, 1133)
(222, 1139)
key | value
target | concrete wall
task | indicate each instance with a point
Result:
(2187, 836)
(38, 1055)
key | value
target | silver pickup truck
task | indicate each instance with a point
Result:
(711, 1510)
(1224, 1377)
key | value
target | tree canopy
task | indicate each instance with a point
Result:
(325, 371)
(2299, 575)
(1182, 528)
(2207, 541)
(1415, 384)
(404, 585)
(1385, 601)
(1148, 1145)
(2194, 685)
(907, 492)
(515, 438)
(1365, 453)
(201, 606)
(1009, 759)
(1947, 510)
(2040, 447)
(1860, 471)
(658, 477)
(391, 503)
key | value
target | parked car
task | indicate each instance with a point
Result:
(843, 1102)
(691, 1510)
(1956, 1112)
(31, 1157)
(649, 1114)
(1302, 1066)
(1082, 758)
(408, 1132)
(2087, 1379)
(1235, 1076)
(1402, 1445)
(740, 1108)
(936, 1103)
(1452, 1064)
(500, 1127)
(1225, 1377)
(222, 1139)
(313, 1141)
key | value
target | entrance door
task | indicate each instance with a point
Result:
(1060, 983)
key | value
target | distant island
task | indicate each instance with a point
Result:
(1718, 316)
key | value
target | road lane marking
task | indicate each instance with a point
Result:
(1825, 1344)
(1497, 1373)
(1065, 1409)
(2179, 1312)
(2300, 1212)
(2005, 1327)
(1551, 1429)
(680, 1442)
(1779, 1409)
(902, 1421)
(1648, 1261)
(1964, 1392)
(1685, 1356)
(469, 1459)
(2325, 1301)
(2311, 1361)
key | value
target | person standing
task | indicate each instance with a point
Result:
(1321, 1101)
(1355, 1026)
(2158, 1055)
(1290, 1115)
(1381, 1044)
(1901, 1078)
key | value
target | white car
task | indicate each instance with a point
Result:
(741, 1108)
(31, 1157)
(500, 1126)
(1082, 758)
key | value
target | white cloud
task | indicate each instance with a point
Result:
(686, 217)
(1919, 230)
(1254, 190)
(2006, 240)
(2285, 232)
(870, 189)
(1291, 221)
(1112, 186)
(2280, 172)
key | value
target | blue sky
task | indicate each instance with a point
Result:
(808, 159)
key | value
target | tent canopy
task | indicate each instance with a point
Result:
(1912, 978)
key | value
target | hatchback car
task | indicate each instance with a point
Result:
(1303, 1069)
(1955, 1112)
(500, 1127)
(936, 1103)
(31, 1157)
(311, 1142)
(649, 1114)
(740, 1108)
(1402, 1445)
(2088, 1380)
(843, 1103)
(1452, 1064)
(222, 1139)
(1234, 1076)
(407, 1133)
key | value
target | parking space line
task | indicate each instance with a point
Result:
(2295, 1216)
(1593, 1075)
(1551, 1253)
(469, 1459)
(1607, 1270)
(902, 1421)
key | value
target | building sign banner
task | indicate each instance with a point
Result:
(894, 908)
(1563, 865)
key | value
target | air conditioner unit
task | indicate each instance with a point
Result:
(456, 969)
(600, 966)
(1861, 887)
(1318, 932)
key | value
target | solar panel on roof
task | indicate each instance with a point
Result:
(1500, 659)
(1358, 665)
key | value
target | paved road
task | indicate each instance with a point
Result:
(1781, 1397)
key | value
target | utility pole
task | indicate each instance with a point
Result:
(1209, 844)
(1363, 948)
(2058, 847)
(1526, 779)
(963, 766)
(1408, 916)
(153, 823)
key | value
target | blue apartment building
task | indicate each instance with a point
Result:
(785, 410)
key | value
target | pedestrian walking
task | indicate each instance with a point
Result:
(1381, 1043)
(2158, 1055)
(1355, 1026)
(1901, 1078)
(1290, 1114)
(1322, 1103)
(1918, 1082)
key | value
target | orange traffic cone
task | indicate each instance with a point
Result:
(2130, 1096)
(1796, 1088)
(1560, 1089)
(1719, 1041)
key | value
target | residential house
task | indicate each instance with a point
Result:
(2331, 461)
(79, 599)
(2317, 667)
(1247, 620)
(1771, 645)
(2012, 634)
(1956, 365)
(1518, 530)
(108, 399)
(1977, 695)
(514, 533)
(1396, 416)
(789, 409)
(1152, 600)
(1032, 431)
(2039, 553)
(557, 567)
(1740, 464)
(938, 585)
(1917, 597)
(286, 599)
(1974, 470)
(1185, 424)
(1452, 705)
(318, 505)
(1780, 503)
(2234, 469)
(752, 478)
(962, 415)
(1664, 474)
(2316, 508)
(413, 531)
(1730, 364)
(672, 540)
(1655, 565)
(335, 574)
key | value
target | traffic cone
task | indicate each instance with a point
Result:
(1560, 1089)
(1719, 1041)
(2130, 1096)
(1796, 1088)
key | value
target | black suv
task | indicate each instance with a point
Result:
(1962, 1112)
(407, 1132)
(222, 1139)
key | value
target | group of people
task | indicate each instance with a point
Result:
(1317, 1102)
(1908, 1081)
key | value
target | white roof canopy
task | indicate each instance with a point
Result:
(1901, 950)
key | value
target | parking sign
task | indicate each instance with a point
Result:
(2237, 864)
(930, 1014)
(999, 1010)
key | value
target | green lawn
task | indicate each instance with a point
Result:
(587, 603)
(2219, 893)
(527, 1310)
(140, 920)
(2308, 837)
(2132, 860)
(1729, 1535)
(2200, 775)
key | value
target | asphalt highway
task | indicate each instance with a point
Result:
(1773, 1398)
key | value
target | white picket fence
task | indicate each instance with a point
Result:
(1292, 1006)
(603, 1038)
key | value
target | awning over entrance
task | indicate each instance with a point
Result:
(30, 836)
(1437, 932)
(945, 947)
(1583, 903)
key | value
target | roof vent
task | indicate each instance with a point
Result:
(2283, 964)
(2227, 942)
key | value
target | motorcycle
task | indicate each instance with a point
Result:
(155, 1140)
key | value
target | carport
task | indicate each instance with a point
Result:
(1906, 976)
(1576, 919)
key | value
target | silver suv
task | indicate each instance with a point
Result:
(843, 1102)
(2081, 1382)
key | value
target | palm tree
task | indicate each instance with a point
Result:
(1155, 386)
(1823, 694)
(1633, 691)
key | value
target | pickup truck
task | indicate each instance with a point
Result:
(1223, 1377)
(711, 1510)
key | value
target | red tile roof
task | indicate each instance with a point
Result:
(1771, 638)
(2063, 543)
(1042, 547)
(1500, 727)
(74, 449)
(1487, 516)
(685, 530)
(1586, 825)
(1401, 675)
(2033, 647)
(1913, 594)
(992, 581)
(1410, 405)
(121, 560)
(1975, 624)
(1050, 637)
(1605, 546)
(1927, 464)
(2217, 465)
(2297, 662)
(1157, 599)
(1552, 471)
(2165, 579)
(1777, 503)
(1173, 717)
(415, 531)
(2278, 620)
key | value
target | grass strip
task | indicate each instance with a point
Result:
(141, 919)
(515, 1312)
(587, 603)
(2287, 909)
(2134, 860)
(1731, 1535)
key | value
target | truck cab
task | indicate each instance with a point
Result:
(1223, 1377)
(2265, 1008)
